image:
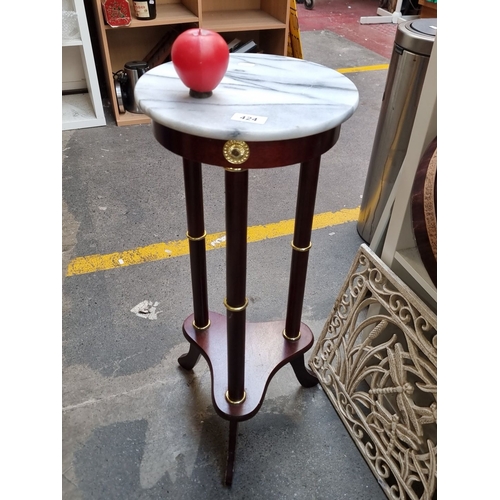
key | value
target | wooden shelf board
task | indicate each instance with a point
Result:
(427, 9)
(429, 5)
(172, 13)
(240, 20)
(127, 118)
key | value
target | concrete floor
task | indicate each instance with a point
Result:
(135, 425)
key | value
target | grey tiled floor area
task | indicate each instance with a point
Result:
(135, 425)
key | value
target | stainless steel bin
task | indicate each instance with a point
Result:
(410, 57)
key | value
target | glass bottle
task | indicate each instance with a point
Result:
(145, 10)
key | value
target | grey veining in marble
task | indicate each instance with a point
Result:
(261, 98)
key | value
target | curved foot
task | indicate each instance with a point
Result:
(309, 4)
(305, 377)
(189, 360)
(233, 427)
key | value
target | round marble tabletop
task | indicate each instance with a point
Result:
(261, 98)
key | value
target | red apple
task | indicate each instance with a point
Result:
(200, 58)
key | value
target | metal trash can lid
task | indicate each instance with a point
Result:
(417, 36)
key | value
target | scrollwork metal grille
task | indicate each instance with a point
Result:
(376, 360)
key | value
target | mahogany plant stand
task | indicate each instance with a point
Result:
(242, 356)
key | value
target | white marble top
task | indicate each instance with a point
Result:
(261, 98)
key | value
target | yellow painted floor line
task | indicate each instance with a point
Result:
(160, 251)
(359, 69)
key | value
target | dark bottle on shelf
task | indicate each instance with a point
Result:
(145, 10)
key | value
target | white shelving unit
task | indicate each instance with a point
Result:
(84, 109)
(393, 239)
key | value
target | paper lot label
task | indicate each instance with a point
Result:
(242, 117)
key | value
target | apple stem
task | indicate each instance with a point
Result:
(199, 95)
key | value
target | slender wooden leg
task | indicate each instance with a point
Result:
(301, 244)
(233, 429)
(189, 360)
(196, 235)
(236, 184)
(305, 377)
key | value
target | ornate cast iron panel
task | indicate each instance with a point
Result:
(376, 360)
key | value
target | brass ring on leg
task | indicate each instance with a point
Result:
(235, 169)
(305, 249)
(291, 338)
(201, 327)
(230, 401)
(235, 309)
(197, 238)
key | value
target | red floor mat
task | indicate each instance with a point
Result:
(342, 17)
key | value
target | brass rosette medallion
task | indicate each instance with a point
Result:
(236, 152)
